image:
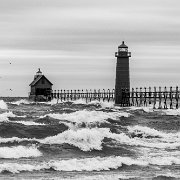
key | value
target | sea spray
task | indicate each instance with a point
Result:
(3, 105)
(5, 116)
(17, 139)
(171, 112)
(19, 151)
(88, 139)
(84, 164)
(145, 135)
(85, 116)
(103, 104)
(29, 123)
(153, 133)
(22, 101)
(84, 139)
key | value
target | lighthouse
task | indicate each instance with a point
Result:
(122, 84)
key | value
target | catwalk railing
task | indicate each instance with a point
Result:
(87, 95)
(157, 97)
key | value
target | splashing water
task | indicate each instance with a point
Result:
(87, 140)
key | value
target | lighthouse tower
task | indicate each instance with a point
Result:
(122, 74)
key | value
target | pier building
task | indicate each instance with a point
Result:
(41, 88)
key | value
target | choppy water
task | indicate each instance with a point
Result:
(78, 140)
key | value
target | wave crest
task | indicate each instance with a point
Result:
(4, 116)
(87, 117)
(84, 139)
(151, 132)
(89, 139)
(19, 151)
(86, 164)
(22, 101)
(3, 105)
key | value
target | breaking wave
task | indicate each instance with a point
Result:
(86, 164)
(85, 116)
(16, 139)
(167, 176)
(3, 105)
(89, 139)
(171, 112)
(29, 123)
(4, 116)
(19, 152)
(103, 104)
(22, 101)
(145, 109)
(141, 131)
(84, 139)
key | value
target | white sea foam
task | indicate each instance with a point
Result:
(94, 164)
(162, 160)
(145, 109)
(171, 112)
(3, 105)
(85, 116)
(79, 101)
(17, 167)
(88, 139)
(104, 176)
(16, 139)
(168, 175)
(103, 104)
(29, 123)
(19, 151)
(22, 101)
(146, 131)
(86, 164)
(54, 101)
(4, 116)
(106, 104)
(84, 139)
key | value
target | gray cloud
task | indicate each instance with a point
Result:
(62, 35)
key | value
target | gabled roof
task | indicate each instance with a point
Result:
(37, 79)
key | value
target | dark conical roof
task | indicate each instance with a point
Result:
(122, 45)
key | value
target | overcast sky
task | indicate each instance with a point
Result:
(74, 41)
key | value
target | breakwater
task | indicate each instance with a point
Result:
(87, 95)
(158, 97)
